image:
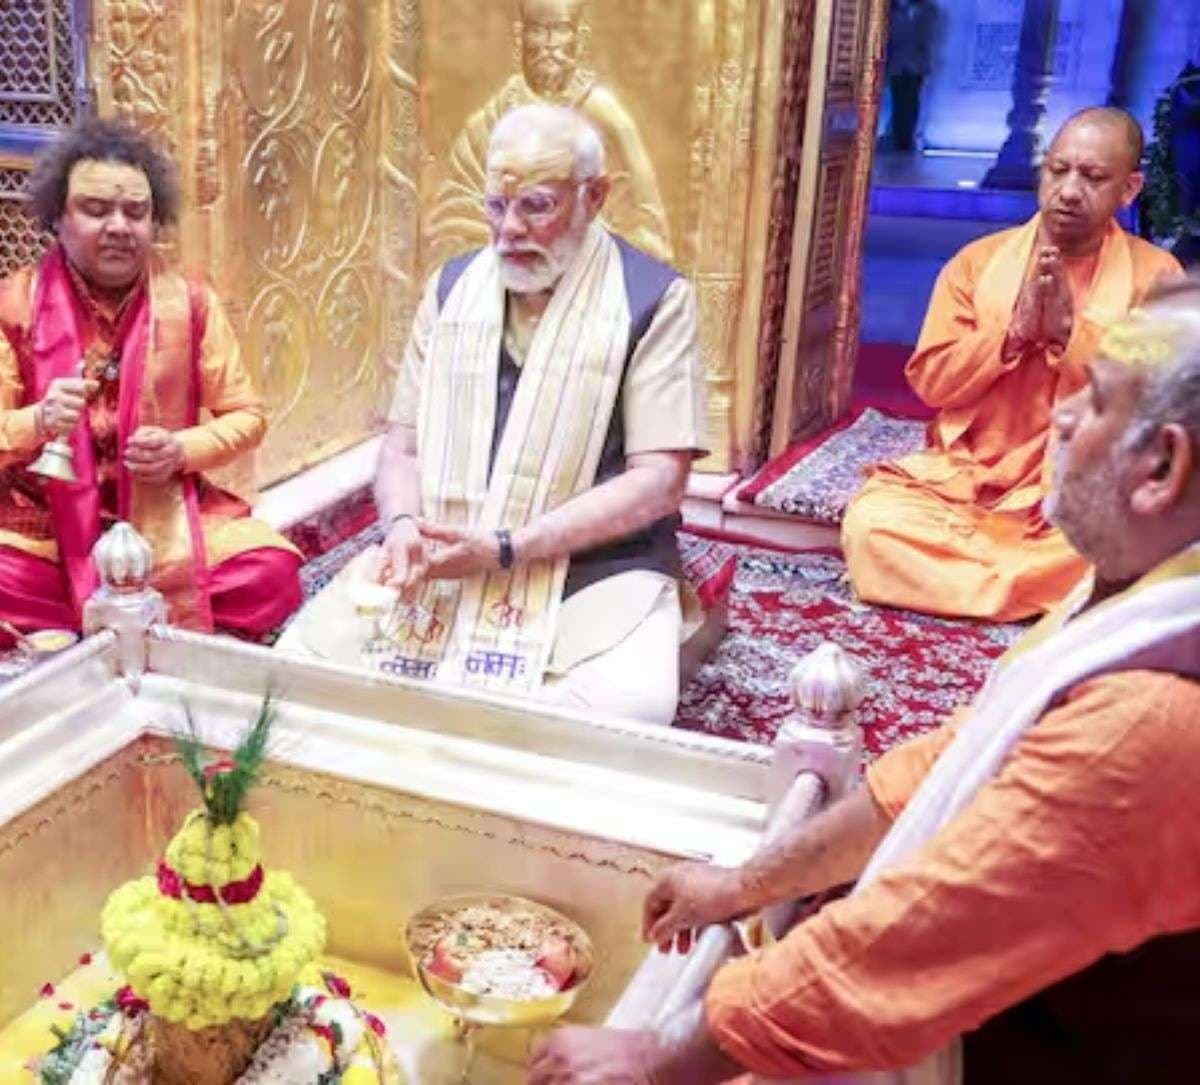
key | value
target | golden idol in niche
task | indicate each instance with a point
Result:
(551, 37)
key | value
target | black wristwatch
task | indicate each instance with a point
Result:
(504, 538)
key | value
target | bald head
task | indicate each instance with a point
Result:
(1117, 125)
(1090, 173)
(536, 143)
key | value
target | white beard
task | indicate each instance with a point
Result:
(553, 263)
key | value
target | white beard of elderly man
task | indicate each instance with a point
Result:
(545, 417)
(1027, 897)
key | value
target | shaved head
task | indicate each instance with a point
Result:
(1091, 171)
(1121, 124)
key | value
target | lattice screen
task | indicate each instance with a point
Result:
(41, 91)
(21, 239)
(38, 63)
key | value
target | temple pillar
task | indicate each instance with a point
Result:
(1130, 37)
(1017, 163)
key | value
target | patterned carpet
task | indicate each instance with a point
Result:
(781, 606)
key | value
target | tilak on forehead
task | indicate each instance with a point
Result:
(101, 180)
(1142, 339)
(512, 165)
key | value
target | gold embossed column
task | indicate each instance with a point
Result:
(399, 161)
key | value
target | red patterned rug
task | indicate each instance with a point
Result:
(783, 605)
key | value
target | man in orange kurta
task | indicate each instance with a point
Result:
(1049, 914)
(1015, 317)
(101, 346)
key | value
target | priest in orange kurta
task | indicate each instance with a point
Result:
(1027, 897)
(139, 371)
(957, 529)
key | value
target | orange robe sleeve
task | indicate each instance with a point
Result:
(895, 777)
(18, 425)
(958, 358)
(239, 418)
(1085, 843)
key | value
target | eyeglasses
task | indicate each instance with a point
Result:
(538, 207)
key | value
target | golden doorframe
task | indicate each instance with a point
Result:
(313, 138)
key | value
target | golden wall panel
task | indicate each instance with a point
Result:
(275, 111)
(58, 863)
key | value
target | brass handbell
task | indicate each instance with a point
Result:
(58, 458)
(56, 461)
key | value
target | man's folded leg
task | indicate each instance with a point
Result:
(638, 678)
(254, 591)
(33, 594)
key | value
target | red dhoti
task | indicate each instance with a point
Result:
(251, 592)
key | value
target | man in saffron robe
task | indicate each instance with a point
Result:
(1028, 877)
(104, 347)
(546, 414)
(1015, 317)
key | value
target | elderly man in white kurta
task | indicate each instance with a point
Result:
(545, 417)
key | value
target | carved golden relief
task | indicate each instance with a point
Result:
(550, 39)
(275, 112)
(332, 157)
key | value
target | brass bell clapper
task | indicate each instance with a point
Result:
(57, 459)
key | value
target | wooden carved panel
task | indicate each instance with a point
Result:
(819, 340)
(793, 104)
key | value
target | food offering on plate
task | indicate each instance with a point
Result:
(499, 960)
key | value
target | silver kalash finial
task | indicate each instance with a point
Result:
(125, 602)
(823, 735)
(827, 685)
(123, 559)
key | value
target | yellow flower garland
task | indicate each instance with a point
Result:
(206, 964)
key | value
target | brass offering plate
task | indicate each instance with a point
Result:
(485, 1009)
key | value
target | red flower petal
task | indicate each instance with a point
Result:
(47, 990)
(376, 1026)
(326, 1033)
(85, 959)
(337, 986)
(66, 1006)
(218, 768)
(128, 1002)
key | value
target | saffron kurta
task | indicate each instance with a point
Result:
(1085, 844)
(241, 574)
(957, 529)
